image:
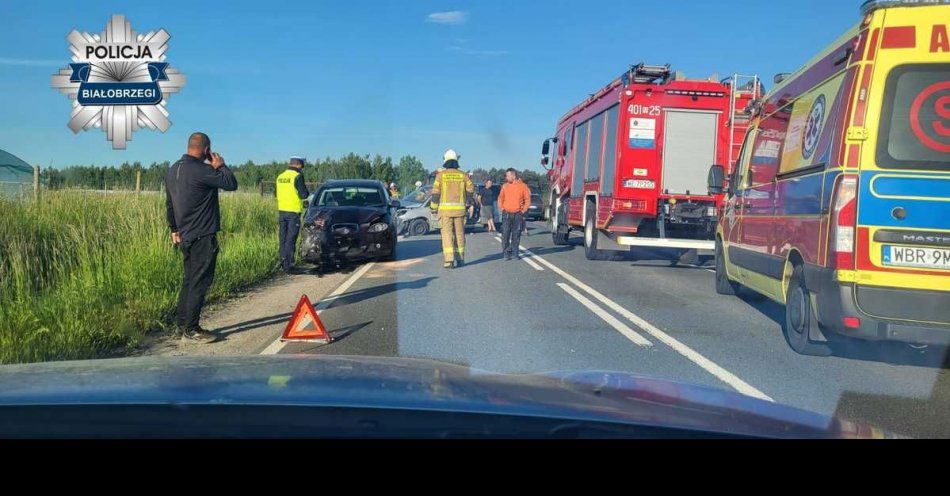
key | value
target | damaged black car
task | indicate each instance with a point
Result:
(349, 221)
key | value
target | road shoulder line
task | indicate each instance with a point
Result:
(693, 356)
(622, 328)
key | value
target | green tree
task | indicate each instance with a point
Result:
(408, 171)
(383, 169)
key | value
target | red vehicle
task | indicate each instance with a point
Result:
(630, 163)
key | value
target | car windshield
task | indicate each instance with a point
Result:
(678, 213)
(350, 196)
(417, 195)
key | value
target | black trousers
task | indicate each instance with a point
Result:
(289, 230)
(201, 256)
(512, 224)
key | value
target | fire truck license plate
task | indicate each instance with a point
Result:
(909, 256)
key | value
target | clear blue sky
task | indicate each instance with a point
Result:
(268, 79)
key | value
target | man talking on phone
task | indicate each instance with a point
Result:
(191, 201)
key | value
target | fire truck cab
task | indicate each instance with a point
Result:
(629, 165)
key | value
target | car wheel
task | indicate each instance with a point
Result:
(800, 321)
(590, 238)
(419, 227)
(724, 285)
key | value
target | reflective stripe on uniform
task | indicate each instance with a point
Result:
(450, 186)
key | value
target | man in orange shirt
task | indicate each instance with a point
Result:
(514, 200)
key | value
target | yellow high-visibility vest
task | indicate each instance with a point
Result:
(287, 198)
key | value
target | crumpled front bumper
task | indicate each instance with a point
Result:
(327, 246)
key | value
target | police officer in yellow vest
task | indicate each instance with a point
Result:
(291, 192)
(451, 194)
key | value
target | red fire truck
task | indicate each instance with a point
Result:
(630, 163)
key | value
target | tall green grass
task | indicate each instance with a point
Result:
(86, 275)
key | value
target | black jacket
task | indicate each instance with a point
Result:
(191, 196)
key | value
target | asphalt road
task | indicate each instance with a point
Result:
(555, 310)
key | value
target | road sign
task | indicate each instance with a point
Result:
(305, 325)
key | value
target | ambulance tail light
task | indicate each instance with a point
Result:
(844, 221)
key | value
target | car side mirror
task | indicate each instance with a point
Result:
(716, 179)
(546, 147)
(395, 204)
(306, 204)
(544, 162)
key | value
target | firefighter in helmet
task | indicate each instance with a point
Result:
(452, 191)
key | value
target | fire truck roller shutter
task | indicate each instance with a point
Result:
(689, 148)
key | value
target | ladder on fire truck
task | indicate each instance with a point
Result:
(742, 85)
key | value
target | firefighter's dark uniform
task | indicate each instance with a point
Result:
(451, 193)
(291, 192)
(191, 203)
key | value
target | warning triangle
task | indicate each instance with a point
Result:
(305, 324)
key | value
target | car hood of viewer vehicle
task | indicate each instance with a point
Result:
(406, 383)
(346, 215)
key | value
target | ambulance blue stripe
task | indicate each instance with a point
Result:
(921, 214)
(912, 186)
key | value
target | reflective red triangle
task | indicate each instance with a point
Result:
(305, 324)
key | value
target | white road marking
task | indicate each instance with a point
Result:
(277, 345)
(703, 362)
(526, 257)
(610, 319)
(532, 263)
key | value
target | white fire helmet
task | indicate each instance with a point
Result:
(450, 155)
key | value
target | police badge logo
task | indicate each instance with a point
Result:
(119, 81)
(816, 117)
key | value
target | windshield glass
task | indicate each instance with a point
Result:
(523, 208)
(350, 197)
(417, 195)
(915, 121)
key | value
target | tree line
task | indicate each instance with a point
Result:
(254, 176)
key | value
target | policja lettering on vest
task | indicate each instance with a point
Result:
(291, 192)
(451, 194)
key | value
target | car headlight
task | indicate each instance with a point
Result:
(400, 213)
(639, 183)
(378, 227)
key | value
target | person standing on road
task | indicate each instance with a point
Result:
(393, 191)
(291, 192)
(194, 217)
(451, 192)
(486, 198)
(513, 201)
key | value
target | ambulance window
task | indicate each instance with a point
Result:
(595, 146)
(742, 166)
(767, 147)
(915, 119)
